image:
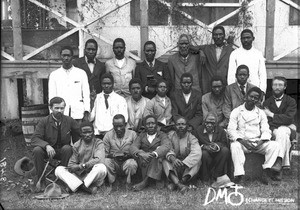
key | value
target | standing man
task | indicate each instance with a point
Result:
(183, 161)
(217, 58)
(249, 131)
(136, 104)
(118, 159)
(121, 68)
(251, 57)
(281, 110)
(235, 93)
(52, 137)
(71, 83)
(182, 62)
(107, 105)
(150, 148)
(93, 68)
(214, 100)
(86, 166)
(160, 106)
(151, 70)
(186, 102)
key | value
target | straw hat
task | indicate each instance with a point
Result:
(52, 191)
(222, 181)
(24, 167)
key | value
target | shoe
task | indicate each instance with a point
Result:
(182, 188)
(83, 188)
(94, 190)
(238, 179)
(277, 176)
(171, 186)
(265, 178)
(277, 165)
(160, 184)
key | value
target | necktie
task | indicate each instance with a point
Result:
(242, 89)
(106, 101)
(151, 65)
(91, 61)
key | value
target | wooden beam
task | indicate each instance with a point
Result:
(270, 22)
(209, 4)
(17, 32)
(81, 43)
(285, 53)
(65, 18)
(7, 56)
(49, 44)
(144, 31)
(292, 4)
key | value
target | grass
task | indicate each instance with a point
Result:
(15, 191)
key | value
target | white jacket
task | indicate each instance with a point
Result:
(73, 87)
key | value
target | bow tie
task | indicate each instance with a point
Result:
(91, 61)
(278, 99)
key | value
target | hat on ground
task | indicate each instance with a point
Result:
(222, 181)
(52, 191)
(24, 167)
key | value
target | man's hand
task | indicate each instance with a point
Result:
(50, 151)
(202, 57)
(268, 112)
(247, 144)
(178, 163)
(259, 143)
(86, 116)
(93, 95)
(146, 156)
(74, 168)
(206, 147)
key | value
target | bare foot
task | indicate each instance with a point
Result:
(141, 185)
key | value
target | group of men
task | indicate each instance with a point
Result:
(178, 120)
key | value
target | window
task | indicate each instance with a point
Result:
(294, 14)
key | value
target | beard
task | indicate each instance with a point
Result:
(278, 93)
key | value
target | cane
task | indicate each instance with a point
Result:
(38, 184)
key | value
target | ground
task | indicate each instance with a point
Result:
(16, 191)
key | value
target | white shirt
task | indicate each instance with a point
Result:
(151, 137)
(153, 63)
(90, 65)
(278, 103)
(120, 63)
(102, 117)
(71, 85)
(255, 61)
(187, 97)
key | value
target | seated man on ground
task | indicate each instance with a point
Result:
(118, 159)
(183, 161)
(281, 110)
(52, 138)
(214, 100)
(160, 106)
(136, 104)
(249, 131)
(150, 148)
(215, 152)
(186, 102)
(86, 164)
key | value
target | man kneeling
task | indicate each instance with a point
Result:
(184, 159)
(249, 131)
(150, 147)
(86, 163)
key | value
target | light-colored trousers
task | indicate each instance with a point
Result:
(282, 136)
(114, 168)
(270, 149)
(98, 173)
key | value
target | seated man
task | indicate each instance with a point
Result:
(117, 143)
(214, 100)
(160, 105)
(52, 137)
(136, 104)
(249, 131)
(106, 106)
(281, 110)
(215, 153)
(183, 161)
(186, 102)
(86, 164)
(150, 147)
(235, 93)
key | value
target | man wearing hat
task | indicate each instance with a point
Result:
(86, 166)
(52, 137)
(215, 152)
(183, 161)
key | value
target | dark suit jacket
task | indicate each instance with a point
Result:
(212, 66)
(284, 115)
(95, 77)
(233, 98)
(192, 111)
(219, 136)
(160, 144)
(46, 132)
(159, 71)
